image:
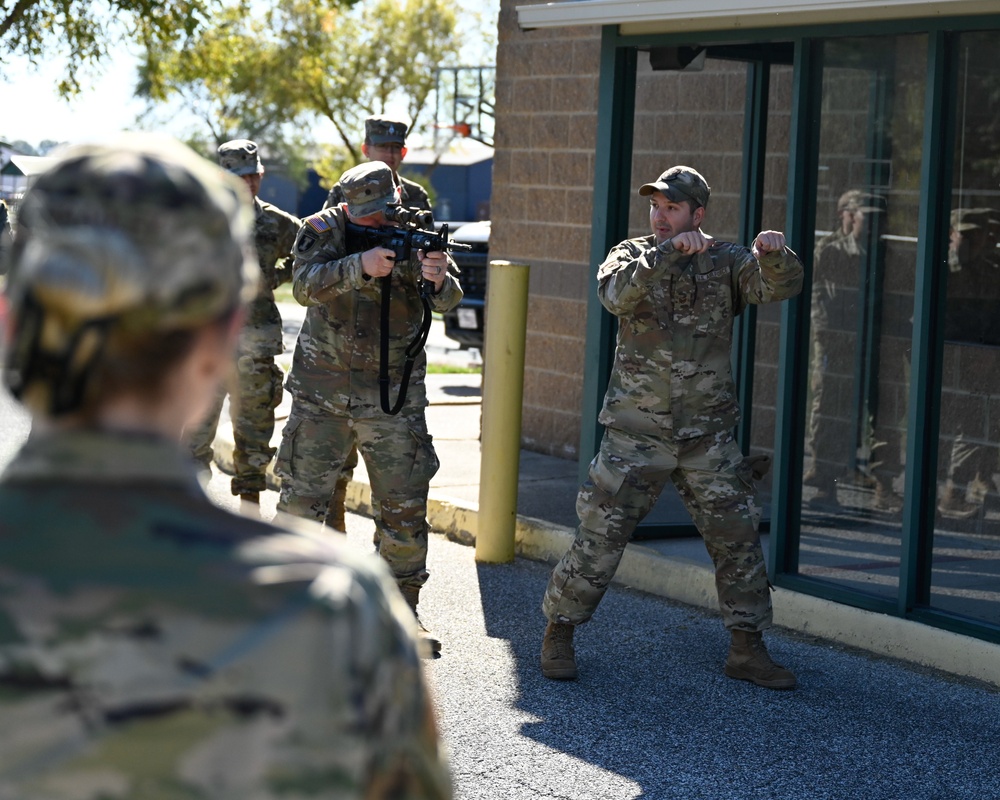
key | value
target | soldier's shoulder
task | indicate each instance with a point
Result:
(272, 210)
(323, 222)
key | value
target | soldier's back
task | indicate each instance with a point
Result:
(154, 645)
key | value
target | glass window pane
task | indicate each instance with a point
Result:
(861, 310)
(966, 558)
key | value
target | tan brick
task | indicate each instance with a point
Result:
(572, 168)
(574, 93)
(546, 204)
(550, 131)
(529, 168)
(534, 95)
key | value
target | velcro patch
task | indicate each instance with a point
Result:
(318, 224)
(305, 242)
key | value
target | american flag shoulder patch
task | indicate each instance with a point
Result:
(318, 224)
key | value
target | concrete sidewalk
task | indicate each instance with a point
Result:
(677, 569)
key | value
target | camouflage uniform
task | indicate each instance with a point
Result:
(669, 413)
(336, 399)
(378, 130)
(259, 378)
(152, 644)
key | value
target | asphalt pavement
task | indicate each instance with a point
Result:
(652, 715)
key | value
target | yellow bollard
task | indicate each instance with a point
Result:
(503, 388)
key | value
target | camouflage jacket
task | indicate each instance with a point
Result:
(274, 234)
(413, 195)
(672, 374)
(836, 278)
(336, 361)
(155, 645)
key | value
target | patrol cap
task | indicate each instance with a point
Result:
(385, 130)
(368, 188)
(678, 184)
(240, 157)
(133, 237)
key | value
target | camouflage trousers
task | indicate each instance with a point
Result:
(400, 460)
(626, 478)
(252, 400)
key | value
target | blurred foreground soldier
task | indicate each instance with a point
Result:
(259, 379)
(334, 380)
(152, 644)
(385, 141)
(669, 415)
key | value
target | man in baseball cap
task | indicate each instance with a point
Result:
(669, 415)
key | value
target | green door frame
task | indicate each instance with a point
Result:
(616, 104)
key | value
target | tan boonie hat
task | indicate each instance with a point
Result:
(368, 188)
(139, 235)
(240, 157)
(678, 184)
(383, 130)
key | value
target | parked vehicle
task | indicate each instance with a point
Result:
(464, 323)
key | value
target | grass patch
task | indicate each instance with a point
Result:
(283, 294)
(452, 369)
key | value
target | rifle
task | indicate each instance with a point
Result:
(404, 241)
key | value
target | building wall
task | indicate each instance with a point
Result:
(543, 177)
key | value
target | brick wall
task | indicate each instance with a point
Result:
(543, 175)
(542, 201)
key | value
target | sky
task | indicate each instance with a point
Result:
(32, 111)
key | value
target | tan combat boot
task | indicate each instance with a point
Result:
(749, 661)
(558, 656)
(430, 644)
(336, 510)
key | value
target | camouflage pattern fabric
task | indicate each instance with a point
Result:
(669, 413)
(335, 373)
(672, 374)
(154, 645)
(413, 195)
(258, 378)
(625, 480)
(257, 394)
(401, 461)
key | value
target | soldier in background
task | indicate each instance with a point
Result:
(6, 235)
(838, 263)
(334, 380)
(258, 379)
(385, 141)
(971, 318)
(669, 415)
(151, 643)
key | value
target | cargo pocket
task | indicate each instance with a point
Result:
(283, 466)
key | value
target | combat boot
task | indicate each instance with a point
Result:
(749, 661)
(430, 644)
(558, 655)
(336, 510)
(952, 503)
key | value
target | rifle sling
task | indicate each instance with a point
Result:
(412, 349)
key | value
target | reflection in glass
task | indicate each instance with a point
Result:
(966, 559)
(861, 310)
